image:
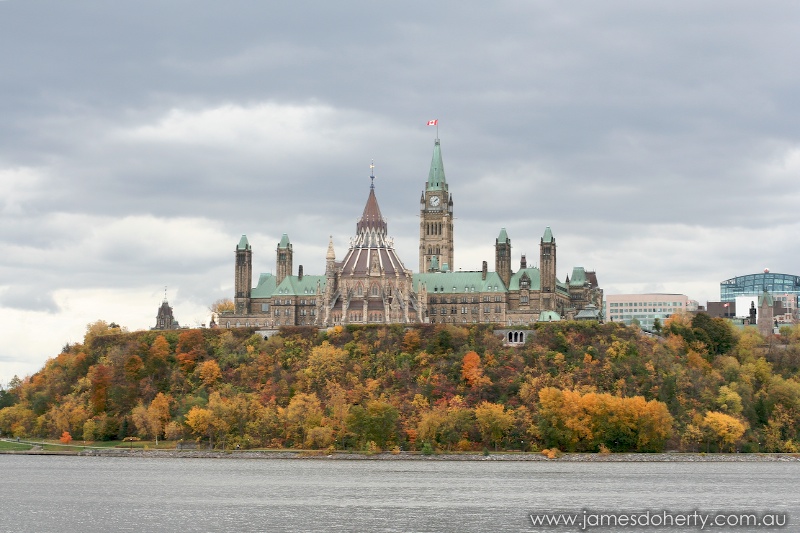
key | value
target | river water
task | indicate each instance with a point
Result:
(68, 493)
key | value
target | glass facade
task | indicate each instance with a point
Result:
(754, 284)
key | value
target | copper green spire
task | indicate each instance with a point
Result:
(436, 181)
(503, 237)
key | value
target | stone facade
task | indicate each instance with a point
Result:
(165, 318)
(370, 285)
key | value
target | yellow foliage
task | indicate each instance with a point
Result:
(199, 420)
(210, 372)
(725, 429)
(584, 421)
(493, 421)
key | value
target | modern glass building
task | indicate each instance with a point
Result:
(755, 284)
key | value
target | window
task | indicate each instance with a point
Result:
(264, 308)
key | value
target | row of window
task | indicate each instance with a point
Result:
(464, 310)
(467, 289)
(265, 307)
(644, 304)
(643, 310)
(463, 299)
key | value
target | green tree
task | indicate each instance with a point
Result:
(376, 423)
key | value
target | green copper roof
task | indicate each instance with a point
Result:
(549, 316)
(290, 286)
(548, 235)
(243, 244)
(436, 181)
(533, 275)
(284, 242)
(294, 286)
(459, 282)
(435, 262)
(265, 288)
(503, 236)
(578, 278)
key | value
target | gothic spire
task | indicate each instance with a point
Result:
(436, 180)
(371, 218)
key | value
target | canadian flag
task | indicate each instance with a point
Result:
(433, 122)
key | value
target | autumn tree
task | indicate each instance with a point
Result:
(493, 421)
(723, 429)
(303, 413)
(223, 305)
(100, 376)
(190, 349)
(159, 352)
(158, 415)
(582, 422)
(325, 363)
(472, 372)
(200, 421)
(210, 373)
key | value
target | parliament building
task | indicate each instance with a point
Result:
(372, 285)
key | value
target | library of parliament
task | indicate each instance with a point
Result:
(371, 284)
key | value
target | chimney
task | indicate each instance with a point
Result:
(523, 263)
(485, 269)
(300, 272)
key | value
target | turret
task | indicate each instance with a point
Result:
(283, 259)
(502, 257)
(547, 266)
(243, 280)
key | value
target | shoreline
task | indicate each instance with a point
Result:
(675, 457)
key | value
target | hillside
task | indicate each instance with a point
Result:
(573, 386)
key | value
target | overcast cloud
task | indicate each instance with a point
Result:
(139, 140)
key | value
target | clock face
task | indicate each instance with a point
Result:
(435, 201)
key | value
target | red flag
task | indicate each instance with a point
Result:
(433, 122)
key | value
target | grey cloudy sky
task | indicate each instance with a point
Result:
(139, 140)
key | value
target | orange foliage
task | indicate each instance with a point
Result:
(100, 378)
(66, 438)
(472, 372)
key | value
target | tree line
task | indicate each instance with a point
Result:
(700, 386)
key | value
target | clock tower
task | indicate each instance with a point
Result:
(436, 219)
